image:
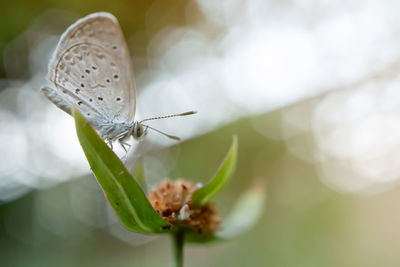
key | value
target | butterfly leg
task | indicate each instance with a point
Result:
(123, 144)
(110, 144)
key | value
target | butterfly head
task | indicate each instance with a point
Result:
(139, 131)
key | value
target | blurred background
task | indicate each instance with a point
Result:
(312, 89)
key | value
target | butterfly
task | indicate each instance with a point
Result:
(91, 70)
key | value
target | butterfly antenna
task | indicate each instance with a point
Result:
(169, 116)
(167, 135)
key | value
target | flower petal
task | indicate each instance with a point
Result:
(203, 195)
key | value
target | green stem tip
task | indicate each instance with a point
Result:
(178, 240)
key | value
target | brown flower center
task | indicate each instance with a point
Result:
(173, 202)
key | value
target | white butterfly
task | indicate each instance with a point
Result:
(91, 70)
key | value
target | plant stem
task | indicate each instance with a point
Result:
(178, 239)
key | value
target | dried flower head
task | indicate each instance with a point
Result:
(173, 202)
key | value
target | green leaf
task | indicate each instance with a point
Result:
(203, 195)
(122, 191)
(246, 212)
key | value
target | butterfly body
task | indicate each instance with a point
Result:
(120, 131)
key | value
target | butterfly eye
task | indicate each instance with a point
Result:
(139, 130)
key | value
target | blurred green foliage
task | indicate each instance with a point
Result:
(17, 15)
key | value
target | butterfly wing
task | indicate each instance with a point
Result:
(92, 71)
